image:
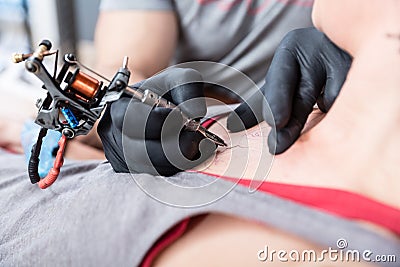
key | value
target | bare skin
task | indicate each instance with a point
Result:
(362, 123)
(354, 126)
(219, 240)
(355, 135)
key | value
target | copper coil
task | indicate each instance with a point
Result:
(85, 85)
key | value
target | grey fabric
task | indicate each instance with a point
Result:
(94, 217)
(241, 34)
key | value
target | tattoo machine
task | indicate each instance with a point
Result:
(75, 101)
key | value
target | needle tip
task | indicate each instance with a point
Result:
(216, 139)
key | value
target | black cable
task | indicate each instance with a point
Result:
(33, 165)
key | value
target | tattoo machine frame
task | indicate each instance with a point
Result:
(75, 101)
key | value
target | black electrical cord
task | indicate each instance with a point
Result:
(33, 165)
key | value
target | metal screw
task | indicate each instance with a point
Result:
(39, 103)
(68, 133)
(31, 66)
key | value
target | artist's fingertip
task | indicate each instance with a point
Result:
(206, 149)
(326, 100)
(280, 141)
(330, 97)
(272, 142)
(234, 123)
(321, 104)
(275, 119)
(268, 117)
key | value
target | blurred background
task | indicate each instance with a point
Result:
(69, 24)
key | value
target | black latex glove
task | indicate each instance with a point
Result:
(307, 68)
(131, 132)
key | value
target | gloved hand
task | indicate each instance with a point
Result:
(139, 138)
(307, 68)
